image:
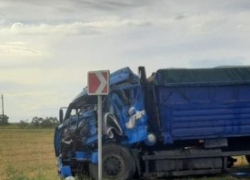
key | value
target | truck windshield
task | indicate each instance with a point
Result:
(74, 109)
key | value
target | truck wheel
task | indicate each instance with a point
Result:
(117, 163)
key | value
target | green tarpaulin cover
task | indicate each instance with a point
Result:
(211, 76)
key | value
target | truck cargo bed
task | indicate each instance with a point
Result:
(201, 106)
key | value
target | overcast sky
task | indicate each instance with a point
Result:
(48, 46)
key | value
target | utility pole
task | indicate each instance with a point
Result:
(2, 105)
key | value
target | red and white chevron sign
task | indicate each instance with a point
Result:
(98, 82)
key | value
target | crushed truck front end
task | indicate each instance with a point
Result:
(76, 137)
(124, 124)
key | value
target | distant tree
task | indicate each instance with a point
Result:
(23, 124)
(54, 121)
(36, 121)
(4, 120)
(48, 122)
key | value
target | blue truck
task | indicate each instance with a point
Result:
(176, 122)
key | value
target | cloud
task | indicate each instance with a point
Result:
(19, 49)
(209, 63)
(46, 29)
(16, 53)
(65, 10)
(75, 28)
(112, 5)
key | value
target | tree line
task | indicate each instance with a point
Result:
(36, 122)
(4, 120)
(39, 122)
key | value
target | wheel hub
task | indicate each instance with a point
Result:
(112, 165)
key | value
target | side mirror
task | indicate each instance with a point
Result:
(61, 115)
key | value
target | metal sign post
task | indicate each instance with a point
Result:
(99, 137)
(98, 84)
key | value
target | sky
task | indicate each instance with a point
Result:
(47, 47)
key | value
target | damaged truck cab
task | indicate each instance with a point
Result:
(124, 124)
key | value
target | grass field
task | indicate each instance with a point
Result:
(28, 154)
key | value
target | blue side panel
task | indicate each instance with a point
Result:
(134, 97)
(204, 112)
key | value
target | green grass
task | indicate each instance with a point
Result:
(28, 154)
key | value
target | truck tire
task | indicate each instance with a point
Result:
(117, 163)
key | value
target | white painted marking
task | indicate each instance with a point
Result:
(103, 82)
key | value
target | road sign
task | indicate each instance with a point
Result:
(98, 82)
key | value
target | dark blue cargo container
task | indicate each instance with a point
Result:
(202, 103)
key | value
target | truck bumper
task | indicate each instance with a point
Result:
(63, 171)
